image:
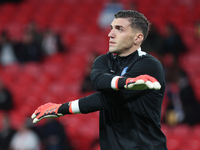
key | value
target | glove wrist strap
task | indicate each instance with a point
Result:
(118, 82)
(69, 108)
(64, 109)
(121, 82)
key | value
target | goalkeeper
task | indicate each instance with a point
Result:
(131, 88)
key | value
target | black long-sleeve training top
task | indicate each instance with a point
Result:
(129, 120)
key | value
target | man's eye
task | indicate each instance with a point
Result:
(120, 29)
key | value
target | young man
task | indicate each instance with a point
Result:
(131, 87)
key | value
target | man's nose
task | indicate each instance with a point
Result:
(111, 34)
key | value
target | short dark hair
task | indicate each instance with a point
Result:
(137, 20)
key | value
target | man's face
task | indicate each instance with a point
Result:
(121, 36)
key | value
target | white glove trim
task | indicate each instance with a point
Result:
(113, 82)
(75, 107)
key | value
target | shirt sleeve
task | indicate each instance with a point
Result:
(92, 103)
(100, 76)
(100, 101)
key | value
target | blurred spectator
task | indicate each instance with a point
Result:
(7, 54)
(172, 42)
(153, 42)
(6, 133)
(106, 15)
(51, 43)
(28, 50)
(171, 68)
(37, 37)
(197, 30)
(6, 102)
(87, 85)
(191, 106)
(175, 113)
(25, 139)
(183, 106)
(54, 136)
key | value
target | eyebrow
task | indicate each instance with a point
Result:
(116, 26)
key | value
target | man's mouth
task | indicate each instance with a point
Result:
(110, 42)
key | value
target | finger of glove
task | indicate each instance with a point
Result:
(36, 120)
(157, 85)
(37, 111)
(154, 85)
(142, 77)
(150, 78)
(141, 85)
(130, 86)
(49, 110)
(138, 82)
(125, 86)
(33, 115)
(137, 87)
(149, 84)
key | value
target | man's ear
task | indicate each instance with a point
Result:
(138, 38)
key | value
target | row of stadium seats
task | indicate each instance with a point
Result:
(182, 137)
(15, 17)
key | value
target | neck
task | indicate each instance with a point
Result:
(128, 52)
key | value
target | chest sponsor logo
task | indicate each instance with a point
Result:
(124, 71)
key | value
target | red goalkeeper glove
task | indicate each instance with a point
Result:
(142, 82)
(49, 110)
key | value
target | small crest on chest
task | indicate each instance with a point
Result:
(124, 71)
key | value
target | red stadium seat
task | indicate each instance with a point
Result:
(196, 131)
(192, 143)
(68, 39)
(174, 142)
(8, 9)
(5, 19)
(181, 130)
(15, 30)
(72, 28)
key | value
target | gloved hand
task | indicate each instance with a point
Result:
(49, 110)
(142, 82)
